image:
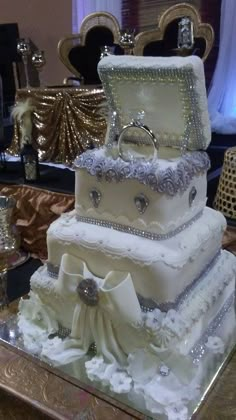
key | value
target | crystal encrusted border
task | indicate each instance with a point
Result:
(169, 181)
(186, 79)
(200, 349)
(138, 232)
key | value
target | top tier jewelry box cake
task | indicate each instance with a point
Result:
(158, 110)
(169, 91)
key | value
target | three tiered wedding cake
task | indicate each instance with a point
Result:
(137, 270)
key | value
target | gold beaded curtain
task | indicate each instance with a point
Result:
(66, 121)
(35, 210)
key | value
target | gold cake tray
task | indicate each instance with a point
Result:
(30, 388)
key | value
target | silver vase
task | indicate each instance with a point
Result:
(39, 61)
(9, 243)
(24, 48)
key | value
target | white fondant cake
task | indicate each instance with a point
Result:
(137, 268)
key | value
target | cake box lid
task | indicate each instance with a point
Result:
(170, 93)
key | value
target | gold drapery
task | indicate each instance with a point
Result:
(35, 210)
(66, 121)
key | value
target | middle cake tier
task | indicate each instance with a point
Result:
(161, 270)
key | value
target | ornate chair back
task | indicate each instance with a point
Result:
(163, 40)
(81, 52)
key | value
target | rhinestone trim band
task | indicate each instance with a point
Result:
(199, 350)
(133, 231)
(170, 181)
(149, 305)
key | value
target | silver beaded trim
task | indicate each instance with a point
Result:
(62, 333)
(168, 181)
(200, 349)
(133, 231)
(149, 305)
(53, 270)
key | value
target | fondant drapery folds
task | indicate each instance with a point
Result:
(132, 347)
(108, 313)
(105, 306)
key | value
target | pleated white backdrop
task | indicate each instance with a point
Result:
(81, 8)
(222, 93)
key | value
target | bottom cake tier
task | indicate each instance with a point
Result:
(158, 357)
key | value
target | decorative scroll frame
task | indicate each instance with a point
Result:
(91, 21)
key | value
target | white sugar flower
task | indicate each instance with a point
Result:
(120, 382)
(109, 370)
(153, 320)
(163, 338)
(94, 364)
(215, 344)
(170, 327)
(98, 370)
(173, 322)
(177, 412)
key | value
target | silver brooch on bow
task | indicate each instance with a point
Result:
(88, 292)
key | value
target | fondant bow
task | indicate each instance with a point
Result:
(103, 306)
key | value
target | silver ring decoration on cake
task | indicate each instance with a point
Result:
(146, 130)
